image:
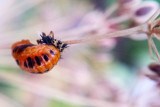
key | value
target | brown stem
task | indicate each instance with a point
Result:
(146, 28)
(155, 50)
(154, 16)
(149, 28)
(150, 46)
(119, 19)
(156, 36)
(155, 23)
(121, 33)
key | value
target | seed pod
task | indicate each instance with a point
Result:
(143, 12)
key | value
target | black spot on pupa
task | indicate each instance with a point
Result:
(38, 60)
(51, 52)
(15, 49)
(25, 64)
(23, 47)
(30, 62)
(17, 61)
(45, 57)
(20, 48)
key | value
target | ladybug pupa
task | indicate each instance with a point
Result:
(38, 58)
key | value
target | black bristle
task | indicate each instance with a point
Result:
(47, 39)
(51, 41)
(58, 47)
(59, 42)
(64, 46)
(43, 34)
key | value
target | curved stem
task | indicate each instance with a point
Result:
(119, 19)
(154, 24)
(150, 46)
(121, 33)
(154, 16)
(156, 36)
(155, 50)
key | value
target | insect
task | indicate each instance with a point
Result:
(38, 58)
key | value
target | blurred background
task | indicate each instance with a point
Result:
(105, 73)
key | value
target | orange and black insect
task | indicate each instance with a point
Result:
(38, 58)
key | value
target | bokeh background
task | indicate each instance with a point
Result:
(103, 73)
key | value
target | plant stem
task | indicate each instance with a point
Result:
(121, 33)
(150, 46)
(155, 50)
(145, 28)
(119, 19)
(154, 16)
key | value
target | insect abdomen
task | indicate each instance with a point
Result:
(39, 59)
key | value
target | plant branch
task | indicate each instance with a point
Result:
(150, 46)
(145, 28)
(119, 19)
(155, 49)
(121, 33)
(153, 17)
